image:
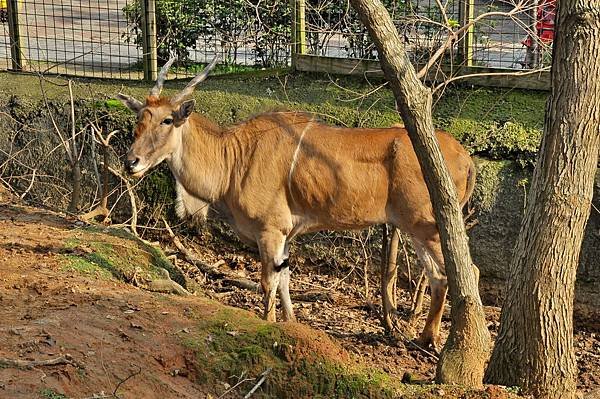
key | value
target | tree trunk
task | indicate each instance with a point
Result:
(463, 357)
(105, 172)
(534, 348)
(76, 193)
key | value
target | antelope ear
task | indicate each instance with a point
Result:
(130, 102)
(184, 110)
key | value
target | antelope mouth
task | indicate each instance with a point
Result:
(139, 172)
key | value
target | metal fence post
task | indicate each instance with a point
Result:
(466, 12)
(16, 44)
(298, 29)
(150, 56)
(532, 57)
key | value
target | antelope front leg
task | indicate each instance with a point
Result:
(389, 275)
(272, 247)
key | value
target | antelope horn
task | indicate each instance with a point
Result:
(189, 89)
(162, 76)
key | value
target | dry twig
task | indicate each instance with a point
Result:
(28, 364)
(262, 379)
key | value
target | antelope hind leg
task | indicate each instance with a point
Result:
(389, 274)
(431, 258)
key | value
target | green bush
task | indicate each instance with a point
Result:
(230, 27)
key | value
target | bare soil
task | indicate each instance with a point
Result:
(110, 329)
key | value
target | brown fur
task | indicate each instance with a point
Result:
(281, 174)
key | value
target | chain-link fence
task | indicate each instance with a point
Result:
(504, 39)
(334, 30)
(131, 39)
(68, 37)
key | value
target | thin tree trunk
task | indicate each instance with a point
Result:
(466, 350)
(534, 348)
(105, 172)
(76, 193)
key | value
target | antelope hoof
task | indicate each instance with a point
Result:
(430, 342)
(289, 318)
(270, 316)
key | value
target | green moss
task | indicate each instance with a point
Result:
(85, 266)
(496, 123)
(232, 341)
(90, 252)
(48, 393)
(490, 175)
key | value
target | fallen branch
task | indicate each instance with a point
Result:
(166, 285)
(98, 211)
(210, 270)
(240, 382)
(414, 344)
(130, 376)
(263, 377)
(28, 364)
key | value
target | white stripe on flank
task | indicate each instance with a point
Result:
(295, 158)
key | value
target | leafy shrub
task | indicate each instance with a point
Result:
(231, 28)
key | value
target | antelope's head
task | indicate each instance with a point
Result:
(157, 133)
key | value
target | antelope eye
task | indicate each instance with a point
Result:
(167, 121)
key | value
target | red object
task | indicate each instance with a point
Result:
(544, 27)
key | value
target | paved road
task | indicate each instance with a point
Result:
(498, 40)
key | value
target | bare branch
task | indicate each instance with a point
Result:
(262, 379)
(28, 364)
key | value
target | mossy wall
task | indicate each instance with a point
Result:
(500, 199)
(501, 127)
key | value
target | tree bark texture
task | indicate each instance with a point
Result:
(534, 348)
(76, 193)
(466, 350)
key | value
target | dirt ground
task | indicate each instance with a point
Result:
(48, 312)
(114, 340)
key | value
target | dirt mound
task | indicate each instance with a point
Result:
(310, 342)
(72, 327)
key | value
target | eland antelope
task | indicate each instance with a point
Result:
(280, 174)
